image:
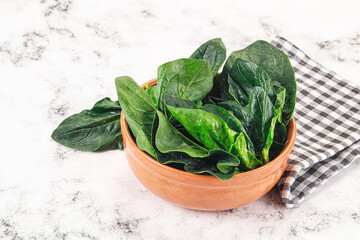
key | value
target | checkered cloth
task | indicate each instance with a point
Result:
(328, 120)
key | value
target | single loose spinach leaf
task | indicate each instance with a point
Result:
(276, 64)
(205, 127)
(184, 78)
(248, 75)
(259, 118)
(97, 129)
(169, 139)
(214, 52)
(139, 111)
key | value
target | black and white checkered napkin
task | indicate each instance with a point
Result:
(327, 115)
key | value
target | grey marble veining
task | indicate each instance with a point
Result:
(57, 57)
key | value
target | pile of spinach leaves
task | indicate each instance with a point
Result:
(195, 119)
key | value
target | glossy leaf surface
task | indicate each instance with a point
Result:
(184, 78)
(97, 129)
(139, 111)
(214, 52)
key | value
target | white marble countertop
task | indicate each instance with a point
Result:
(57, 57)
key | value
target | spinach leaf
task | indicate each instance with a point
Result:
(215, 100)
(259, 118)
(280, 100)
(180, 103)
(232, 122)
(227, 89)
(184, 78)
(151, 91)
(280, 131)
(92, 130)
(169, 139)
(276, 64)
(218, 163)
(244, 148)
(214, 52)
(245, 153)
(280, 140)
(236, 92)
(139, 111)
(199, 104)
(205, 127)
(248, 75)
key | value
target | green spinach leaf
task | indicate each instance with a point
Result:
(259, 118)
(180, 103)
(218, 163)
(139, 111)
(92, 130)
(280, 100)
(245, 153)
(276, 64)
(236, 92)
(152, 91)
(205, 127)
(244, 148)
(184, 78)
(214, 52)
(226, 88)
(248, 75)
(169, 139)
(280, 140)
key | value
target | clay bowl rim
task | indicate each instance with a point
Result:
(291, 137)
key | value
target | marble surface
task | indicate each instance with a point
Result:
(57, 57)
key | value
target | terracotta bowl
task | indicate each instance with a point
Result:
(204, 192)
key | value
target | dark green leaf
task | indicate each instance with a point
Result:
(214, 52)
(259, 118)
(217, 159)
(248, 75)
(280, 140)
(139, 111)
(184, 78)
(276, 64)
(280, 100)
(169, 139)
(236, 92)
(245, 153)
(180, 103)
(228, 89)
(244, 148)
(231, 121)
(215, 100)
(92, 130)
(205, 127)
